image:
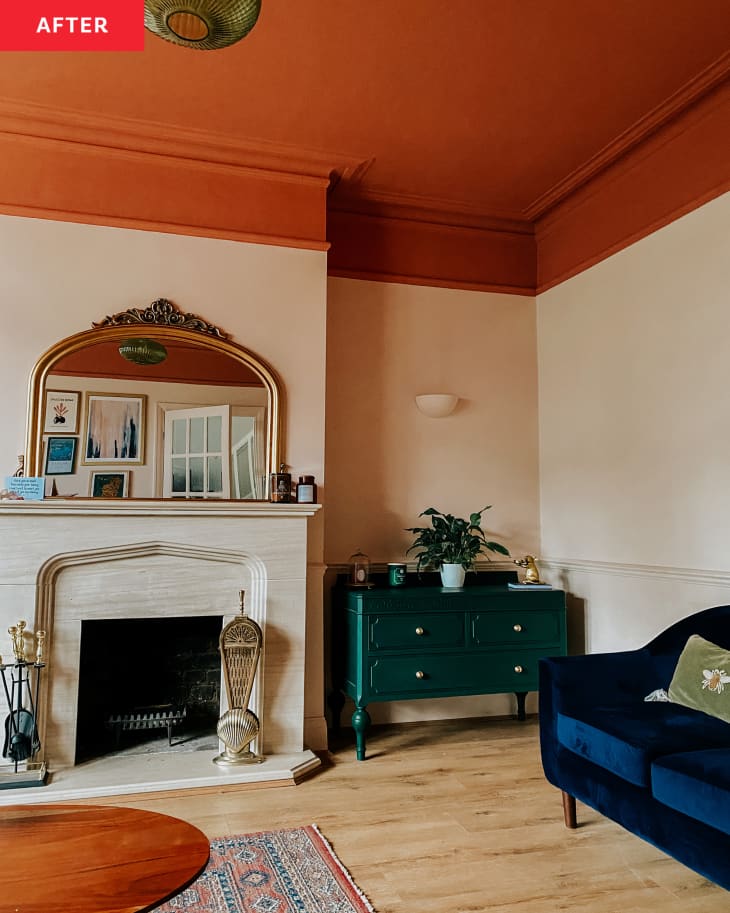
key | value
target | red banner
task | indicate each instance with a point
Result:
(72, 25)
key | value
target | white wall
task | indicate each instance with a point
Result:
(56, 278)
(634, 370)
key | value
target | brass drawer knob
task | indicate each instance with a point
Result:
(420, 674)
(519, 669)
(517, 628)
(419, 631)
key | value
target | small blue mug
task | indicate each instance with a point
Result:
(396, 574)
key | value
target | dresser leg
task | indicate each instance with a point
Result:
(360, 723)
(521, 695)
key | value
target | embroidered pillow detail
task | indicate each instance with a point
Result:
(701, 676)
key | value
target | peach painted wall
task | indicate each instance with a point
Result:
(386, 461)
(635, 431)
(58, 277)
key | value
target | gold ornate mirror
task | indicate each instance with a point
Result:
(153, 402)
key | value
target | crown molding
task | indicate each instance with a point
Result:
(124, 172)
(127, 173)
(429, 210)
(152, 138)
(669, 110)
(675, 170)
(390, 248)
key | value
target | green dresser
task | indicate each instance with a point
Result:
(393, 644)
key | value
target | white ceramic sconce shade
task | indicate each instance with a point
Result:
(436, 405)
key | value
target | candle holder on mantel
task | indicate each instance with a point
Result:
(22, 745)
(240, 646)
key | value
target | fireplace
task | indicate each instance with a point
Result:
(71, 562)
(141, 679)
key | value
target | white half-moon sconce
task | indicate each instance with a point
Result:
(436, 405)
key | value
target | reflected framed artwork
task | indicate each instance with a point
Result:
(60, 456)
(115, 425)
(109, 485)
(61, 412)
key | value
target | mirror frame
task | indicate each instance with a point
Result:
(164, 321)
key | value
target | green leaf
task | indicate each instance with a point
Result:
(496, 547)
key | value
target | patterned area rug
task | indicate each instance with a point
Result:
(289, 871)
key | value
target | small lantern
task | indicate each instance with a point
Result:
(359, 569)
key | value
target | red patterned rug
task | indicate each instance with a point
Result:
(289, 871)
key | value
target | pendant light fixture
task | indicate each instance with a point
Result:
(203, 24)
(143, 351)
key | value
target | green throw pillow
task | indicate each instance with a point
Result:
(702, 678)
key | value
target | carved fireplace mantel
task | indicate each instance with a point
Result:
(64, 561)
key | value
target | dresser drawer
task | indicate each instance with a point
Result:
(516, 627)
(416, 631)
(392, 676)
(465, 673)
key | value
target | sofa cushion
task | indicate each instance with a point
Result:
(626, 738)
(701, 678)
(696, 783)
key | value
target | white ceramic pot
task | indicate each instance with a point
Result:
(452, 576)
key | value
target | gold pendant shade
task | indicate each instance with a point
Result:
(203, 24)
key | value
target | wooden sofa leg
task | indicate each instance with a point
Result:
(569, 810)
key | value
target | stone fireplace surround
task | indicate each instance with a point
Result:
(67, 560)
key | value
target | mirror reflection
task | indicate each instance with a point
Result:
(152, 412)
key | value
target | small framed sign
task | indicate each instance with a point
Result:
(29, 488)
(109, 484)
(60, 456)
(61, 412)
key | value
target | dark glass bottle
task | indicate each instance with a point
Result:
(306, 490)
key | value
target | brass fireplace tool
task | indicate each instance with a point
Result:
(22, 743)
(240, 646)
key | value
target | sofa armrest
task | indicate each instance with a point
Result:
(599, 678)
(568, 683)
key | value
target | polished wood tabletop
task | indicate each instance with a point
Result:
(94, 859)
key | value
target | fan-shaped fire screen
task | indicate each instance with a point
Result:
(240, 646)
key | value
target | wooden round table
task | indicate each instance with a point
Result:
(94, 859)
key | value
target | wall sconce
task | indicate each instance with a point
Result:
(436, 405)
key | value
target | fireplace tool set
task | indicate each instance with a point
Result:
(21, 684)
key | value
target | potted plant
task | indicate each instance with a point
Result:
(451, 544)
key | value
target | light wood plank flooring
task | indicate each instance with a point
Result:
(456, 817)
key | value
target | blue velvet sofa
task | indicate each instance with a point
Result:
(659, 769)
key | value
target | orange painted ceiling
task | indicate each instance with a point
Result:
(480, 105)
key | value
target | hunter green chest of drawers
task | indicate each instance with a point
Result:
(407, 643)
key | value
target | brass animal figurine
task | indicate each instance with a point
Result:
(532, 575)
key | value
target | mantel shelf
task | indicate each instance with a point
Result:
(140, 507)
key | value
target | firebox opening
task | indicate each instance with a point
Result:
(144, 680)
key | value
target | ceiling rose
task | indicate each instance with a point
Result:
(202, 24)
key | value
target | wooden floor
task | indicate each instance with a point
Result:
(456, 817)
